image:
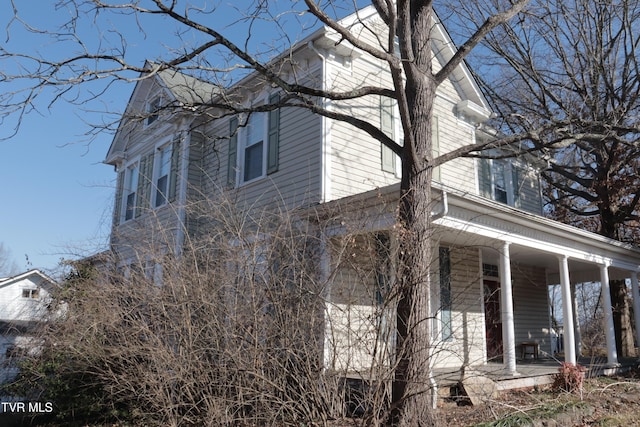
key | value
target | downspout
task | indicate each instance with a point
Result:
(325, 145)
(445, 208)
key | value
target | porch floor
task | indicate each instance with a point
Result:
(531, 372)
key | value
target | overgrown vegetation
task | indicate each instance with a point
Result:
(233, 331)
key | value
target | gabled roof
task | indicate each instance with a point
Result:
(186, 89)
(179, 87)
(46, 280)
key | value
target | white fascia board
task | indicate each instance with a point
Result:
(445, 49)
(473, 111)
(17, 278)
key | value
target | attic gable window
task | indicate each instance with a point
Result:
(153, 109)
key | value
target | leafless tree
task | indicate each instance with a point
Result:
(200, 51)
(568, 71)
(7, 266)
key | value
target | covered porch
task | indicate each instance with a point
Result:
(546, 251)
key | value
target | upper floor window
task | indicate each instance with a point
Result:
(130, 191)
(501, 180)
(148, 182)
(254, 148)
(163, 168)
(390, 125)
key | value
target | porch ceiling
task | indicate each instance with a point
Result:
(533, 240)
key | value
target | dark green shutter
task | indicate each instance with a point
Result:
(118, 205)
(386, 126)
(484, 178)
(143, 192)
(446, 301)
(233, 152)
(173, 172)
(273, 147)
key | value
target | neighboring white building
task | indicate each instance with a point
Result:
(496, 252)
(24, 305)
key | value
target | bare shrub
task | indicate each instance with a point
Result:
(570, 378)
(229, 332)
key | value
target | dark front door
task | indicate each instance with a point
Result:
(493, 319)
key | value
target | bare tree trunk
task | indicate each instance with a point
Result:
(622, 318)
(411, 390)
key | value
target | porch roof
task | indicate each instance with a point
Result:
(534, 240)
(468, 219)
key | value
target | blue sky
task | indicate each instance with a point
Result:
(56, 193)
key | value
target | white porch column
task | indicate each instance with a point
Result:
(576, 321)
(636, 303)
(609, 331)
(506, 309)
(567, 312)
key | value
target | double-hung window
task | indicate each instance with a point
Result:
(254, 149)
(163, 168)
(130, 191)
(501, 180)
(255, 146)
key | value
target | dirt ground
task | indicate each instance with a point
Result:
(604, 401)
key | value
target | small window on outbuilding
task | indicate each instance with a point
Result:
(30, 293)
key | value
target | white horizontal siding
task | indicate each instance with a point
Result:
(530, 306)
(466, 347)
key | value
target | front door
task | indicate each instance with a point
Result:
(493, 320)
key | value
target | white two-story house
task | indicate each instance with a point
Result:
(496, 253)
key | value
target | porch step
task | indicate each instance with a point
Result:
(478, 387)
